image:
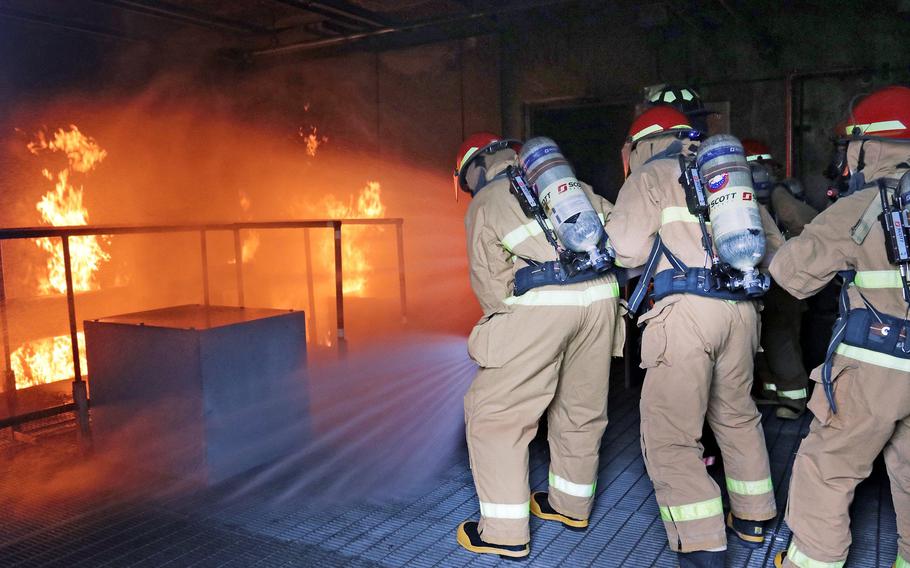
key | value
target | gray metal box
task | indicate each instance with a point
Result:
(198, 393)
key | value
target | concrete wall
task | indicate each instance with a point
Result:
(406, 111)
(609, 52)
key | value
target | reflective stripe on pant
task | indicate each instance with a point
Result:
(699, 353)
(796, 557)
(797, 394)
(873, 407)
(540, 358)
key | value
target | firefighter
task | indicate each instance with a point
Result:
(780, 366)
(686, 100)
(785, 199)
(698, 352)
(863, 405)
(547, 351)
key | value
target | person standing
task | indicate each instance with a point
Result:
(545, 351)
(779, 367)
(863, 405)
(698, 351)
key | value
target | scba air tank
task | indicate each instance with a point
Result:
(566, 204)
(735, 219)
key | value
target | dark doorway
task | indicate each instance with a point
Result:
(590, 134)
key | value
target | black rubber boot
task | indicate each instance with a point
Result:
(702, 559)
(469, 538)
(751, 534)
(540, 507)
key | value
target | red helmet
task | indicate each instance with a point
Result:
(476, 145)
(756, 150)
(885, 114)
(660, 119)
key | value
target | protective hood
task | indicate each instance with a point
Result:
(484, 170)
(880, 159)
(650, 147)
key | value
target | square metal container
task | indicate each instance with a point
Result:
(200, 393)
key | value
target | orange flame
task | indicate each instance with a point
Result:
(46, 360)
(51, 359)
(354, 245)
(312, 140)
(63, 206)
(250, 242)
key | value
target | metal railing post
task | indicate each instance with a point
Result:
(310, 286)
(80, 392)
(402, 287)
(203, 245)
(9, 383)
(339, 288)
(238, 266)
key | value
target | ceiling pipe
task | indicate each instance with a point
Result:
(392, 30)
(29, 18)
(177, 13)
(339, 11)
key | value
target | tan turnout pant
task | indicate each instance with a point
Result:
(873, 404)
(551, 353)
(699, 353)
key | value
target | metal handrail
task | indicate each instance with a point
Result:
(80, 397)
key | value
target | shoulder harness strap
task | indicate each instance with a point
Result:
(869, 219)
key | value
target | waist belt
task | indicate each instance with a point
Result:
(878, 332)
(698, 281)
(548, 273)
(864, 328)
(678, 280)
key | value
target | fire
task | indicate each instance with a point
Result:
(250, 242)
(51, 359)
(355, 242)
(46, 360)
(249, 246)
(312, 139)
(63, 206)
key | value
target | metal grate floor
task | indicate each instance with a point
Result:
(83, 523)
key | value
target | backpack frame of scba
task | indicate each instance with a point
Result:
(572, 265)
(720, 280)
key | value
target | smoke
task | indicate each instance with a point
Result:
(183, 154)
(382, 422)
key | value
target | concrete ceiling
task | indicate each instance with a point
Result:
(244, 25)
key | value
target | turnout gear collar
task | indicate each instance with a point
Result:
(870, 160)
(647, 149)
